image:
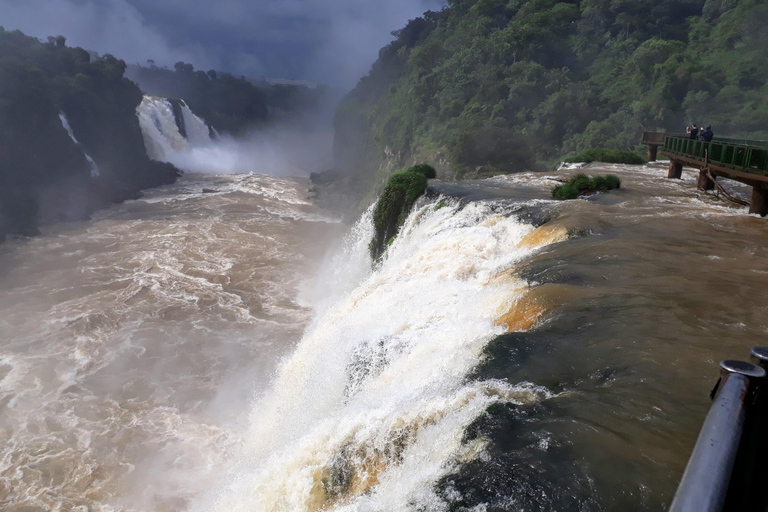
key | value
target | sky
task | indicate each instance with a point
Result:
(332, 42)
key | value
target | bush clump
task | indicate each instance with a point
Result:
(580, 184)
(401, 192)
(610, 156)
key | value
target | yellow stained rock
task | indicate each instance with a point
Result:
(505, 276)
(544, 235)
(523, 314)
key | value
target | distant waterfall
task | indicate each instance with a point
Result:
(162, 136)
(65, 123)
(198, 133)
(189, 147)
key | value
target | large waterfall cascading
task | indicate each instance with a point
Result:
(174, 134)
(65, 123)
(195, 152)
(162, 136)
(198, 133)
(370, 410)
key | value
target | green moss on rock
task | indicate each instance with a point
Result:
(580, 184)
(401, 192)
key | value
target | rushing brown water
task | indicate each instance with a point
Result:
(132, 344)
(658, 283)
(189, 351)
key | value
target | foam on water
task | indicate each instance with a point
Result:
(369, 411)
(127, 343)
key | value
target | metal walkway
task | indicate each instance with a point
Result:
(737, 159)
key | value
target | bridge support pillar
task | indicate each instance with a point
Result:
(675, 169)
(704, 182)
(759, 202)
(652, 150)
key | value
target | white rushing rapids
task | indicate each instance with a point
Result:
(370, 410)
(65, 123)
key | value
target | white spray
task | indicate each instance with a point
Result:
(65, 123)
(204, 150)
(370, 410)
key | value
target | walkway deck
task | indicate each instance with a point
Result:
(737, 159)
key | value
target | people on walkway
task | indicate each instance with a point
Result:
(707, 134)
(692, 131)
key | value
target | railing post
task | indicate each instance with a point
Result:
(675, 169)
(705, 183)
(652, 152)
(705, 483)
(759, 203)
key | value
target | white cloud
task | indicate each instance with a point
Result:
(106, 26)
(328, 41)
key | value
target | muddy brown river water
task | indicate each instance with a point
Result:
(234, 349)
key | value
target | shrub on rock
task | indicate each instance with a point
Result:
(395, 203)
(581, 184)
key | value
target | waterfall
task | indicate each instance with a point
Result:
(162, 137)
(198, 133)
(371, 409)
(193, 151)
(65, 123)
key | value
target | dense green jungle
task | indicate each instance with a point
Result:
(497, 86)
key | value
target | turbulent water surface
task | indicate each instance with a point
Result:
(218, 346)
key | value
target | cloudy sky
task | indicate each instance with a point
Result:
(328, 41)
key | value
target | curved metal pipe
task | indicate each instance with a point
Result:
(705, 483)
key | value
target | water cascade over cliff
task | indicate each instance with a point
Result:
(65, 123)
(173, 133)
(199, 349)
(371, 409)
(191, 150)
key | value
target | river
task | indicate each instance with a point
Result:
(222, 344)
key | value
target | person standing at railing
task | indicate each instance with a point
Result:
(692, 131)
(707, 134)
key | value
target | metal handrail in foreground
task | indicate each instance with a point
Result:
(706, 480)
(726, 464)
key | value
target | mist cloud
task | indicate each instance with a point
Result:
(328, 42)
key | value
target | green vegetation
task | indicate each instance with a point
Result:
(581, 184)
(44, 176)
(606, 155)
(395, 203)
(500, 86)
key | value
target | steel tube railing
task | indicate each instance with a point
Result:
(705, 483)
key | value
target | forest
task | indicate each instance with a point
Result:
(497, 86)
(44, 175)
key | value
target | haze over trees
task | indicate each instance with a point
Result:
(498, 86)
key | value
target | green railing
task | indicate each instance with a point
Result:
(742, 142)
(746, 156)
